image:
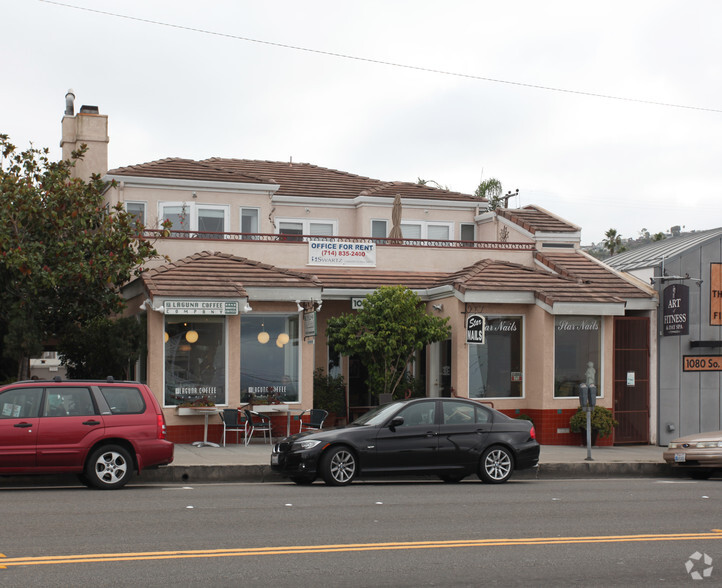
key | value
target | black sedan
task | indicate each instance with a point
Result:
(447, 437)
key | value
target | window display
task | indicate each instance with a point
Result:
(577, 354)
(195, 360)
(496, 367)
(269, 358)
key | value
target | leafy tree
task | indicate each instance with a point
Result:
(386, 333)
(102, 348)
(64, 254)
(491, 191)
(613, 242)
(659, 236)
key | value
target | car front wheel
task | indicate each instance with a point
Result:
(338, 466)
(496, 466)
(109, 467)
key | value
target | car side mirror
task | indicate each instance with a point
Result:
(397, 421)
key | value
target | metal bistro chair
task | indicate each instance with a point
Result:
(231, 423)
(317, 417)
(257, 422)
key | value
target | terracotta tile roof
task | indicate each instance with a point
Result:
(183, 169)
(491, 275)
(585, 268)
(535, 219)
(295, 179)
(220, 275)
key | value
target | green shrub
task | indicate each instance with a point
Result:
(603, 421)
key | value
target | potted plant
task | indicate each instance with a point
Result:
(603, 422)
(329, 394)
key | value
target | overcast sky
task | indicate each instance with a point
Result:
(560, 99)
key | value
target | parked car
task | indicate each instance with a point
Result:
(104, 431)
(699, 455)
(447, 437)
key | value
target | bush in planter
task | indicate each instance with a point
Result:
(603, 421)
(329, 392)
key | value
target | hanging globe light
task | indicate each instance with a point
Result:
(283, 338)
(192, 336)
(263, 337)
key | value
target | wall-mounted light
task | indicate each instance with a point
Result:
(247, 308)
(298, 306)
(320, 304)
(192, 336)
(438, 307)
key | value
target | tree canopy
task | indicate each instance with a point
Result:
(613, 242)
(64, 254)
(386, 333)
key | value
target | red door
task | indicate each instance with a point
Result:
(631, 380)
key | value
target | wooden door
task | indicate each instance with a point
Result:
(631, 380)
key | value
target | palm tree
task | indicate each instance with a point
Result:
(613, 242)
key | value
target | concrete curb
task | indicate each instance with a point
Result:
(547, 471)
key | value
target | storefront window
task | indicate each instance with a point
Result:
(269, 358)
(195, 359)
(577, 354)
(495, 367)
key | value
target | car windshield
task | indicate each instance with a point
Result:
(378, 415)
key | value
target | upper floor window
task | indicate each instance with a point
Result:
(211, 221)
(137, 210)
(427, 230)
(467, 232)
(379, 229)
(249, 222)
(294, 228)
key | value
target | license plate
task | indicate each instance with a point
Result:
(274, 459)
(680, 457)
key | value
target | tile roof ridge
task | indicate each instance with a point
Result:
(553, 215)
(292, 164)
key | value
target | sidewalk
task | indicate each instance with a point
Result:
(235, 463)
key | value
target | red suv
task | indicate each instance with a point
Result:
(102, 430)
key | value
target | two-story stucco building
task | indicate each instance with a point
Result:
(263, 253)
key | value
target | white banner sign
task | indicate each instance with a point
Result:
(201, 307)
(341, 253)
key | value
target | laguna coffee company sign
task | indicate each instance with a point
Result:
(475, 328)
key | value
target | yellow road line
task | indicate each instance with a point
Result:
(6, 562)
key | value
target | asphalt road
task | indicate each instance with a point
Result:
(624, 532)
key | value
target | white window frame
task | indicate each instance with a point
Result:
(386, 229)
(192, 212)
(142, 203)
(425, 229)
(258, 219)
(523, 358)
(306, 224)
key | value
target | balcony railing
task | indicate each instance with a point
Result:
(384, 241)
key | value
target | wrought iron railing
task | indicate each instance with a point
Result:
(381, 241)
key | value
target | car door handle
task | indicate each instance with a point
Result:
(23, 425)
(431, 434)
(91, 423)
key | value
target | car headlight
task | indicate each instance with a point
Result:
(307, 443)
(708, 444)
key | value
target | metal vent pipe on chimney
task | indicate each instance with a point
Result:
(70, 103)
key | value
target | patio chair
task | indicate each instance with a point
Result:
(231, 423)
(257, 422)
(315, 422)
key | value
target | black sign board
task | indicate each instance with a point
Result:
(675, 310)
(475, 328)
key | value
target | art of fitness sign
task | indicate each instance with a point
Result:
(341, 253)
(475, 328)
(675, 312)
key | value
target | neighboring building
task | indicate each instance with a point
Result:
(264, 253)
(687, 274)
